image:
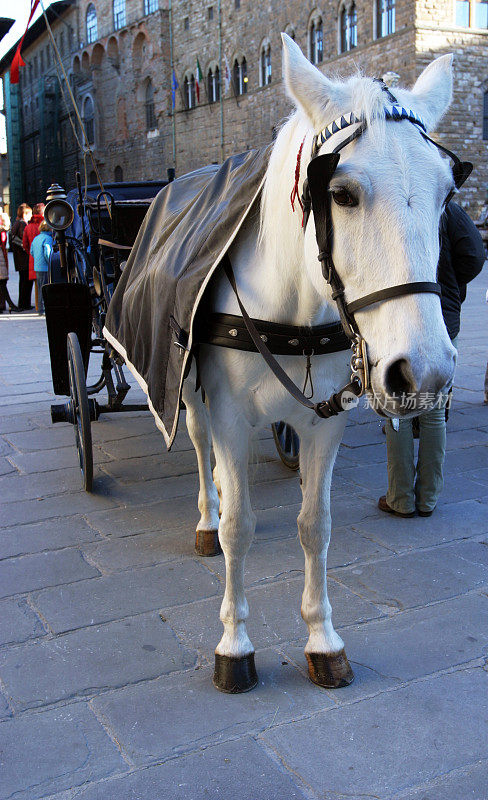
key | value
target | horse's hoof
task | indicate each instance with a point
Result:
(207, 543)
(235, 674)
(331, 670)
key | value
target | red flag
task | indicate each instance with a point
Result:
(17, 60)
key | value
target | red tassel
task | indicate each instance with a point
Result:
(295, 193)
(17, 60)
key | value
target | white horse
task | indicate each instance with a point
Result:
(387, 197)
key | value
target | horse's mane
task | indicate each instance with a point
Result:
(281, 235)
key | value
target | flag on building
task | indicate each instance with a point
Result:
(227, 75)
(174, 86)
(198, 80)
(17, 60)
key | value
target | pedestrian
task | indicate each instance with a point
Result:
(416, 488)
(4, 294)
(21, 258)
(32, 230)
(41, 249)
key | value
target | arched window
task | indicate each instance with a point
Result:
(118, 174)
(472, 13)
(151, 122)
(89, 119)
(385, 17)
(150, 6)
(91, 24)
(485, 115)
(93, 178)
(119, 14)
(349, 28)
(213, 85)
(189, 92)
(239, 76)
(265, 64)
(316, 41)
(290, 30)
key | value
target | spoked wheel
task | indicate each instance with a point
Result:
(80, 410)
(287, 444)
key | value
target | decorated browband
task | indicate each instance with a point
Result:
(391, 112)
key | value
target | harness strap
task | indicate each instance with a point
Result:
(393, 291)
(229, 330)
(326, 408)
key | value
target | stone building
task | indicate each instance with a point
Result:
(181, 83)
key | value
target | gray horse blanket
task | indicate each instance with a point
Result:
(187, 230)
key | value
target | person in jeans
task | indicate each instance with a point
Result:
(41, 249)
(416, 488)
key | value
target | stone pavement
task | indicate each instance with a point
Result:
(108, 620)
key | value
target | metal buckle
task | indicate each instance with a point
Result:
(359, 363)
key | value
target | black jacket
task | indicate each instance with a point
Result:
(21, 258)
(461, 259)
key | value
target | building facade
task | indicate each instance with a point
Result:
(180, 84)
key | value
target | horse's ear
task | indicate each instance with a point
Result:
(309, 90)
(433, 90)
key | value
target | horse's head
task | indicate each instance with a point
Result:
(387, 195)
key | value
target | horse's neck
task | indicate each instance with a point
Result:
(274, 289)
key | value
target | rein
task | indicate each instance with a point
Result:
(317, 198)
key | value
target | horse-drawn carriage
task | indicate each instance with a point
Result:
(103, 225)
(101, 229)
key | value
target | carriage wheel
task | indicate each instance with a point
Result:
(80, 410)
(287, 444)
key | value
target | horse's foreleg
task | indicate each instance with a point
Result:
(198, 424)
(234, 655)
(327, 662)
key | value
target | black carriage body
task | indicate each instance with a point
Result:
(76, 302)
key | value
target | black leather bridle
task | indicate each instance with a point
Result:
(317, 198)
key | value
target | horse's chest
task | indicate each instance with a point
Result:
(245, 381)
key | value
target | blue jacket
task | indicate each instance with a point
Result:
(41, 248)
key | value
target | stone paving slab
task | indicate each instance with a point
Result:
(92, 660)
(124, 594)
(45, 484)
(143, 550)
(379, 757)
(18, 622)
(450, 522)
(414, 579)
(468, 783)
(28, 573)
(40, 461)
(51, 535)
(65, 505)
(165, 515)
(164, 718)
(368, 454)
(239, 770)
(54, 750)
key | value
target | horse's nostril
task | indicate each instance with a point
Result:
(399, 378)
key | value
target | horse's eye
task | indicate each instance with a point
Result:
(342, 197)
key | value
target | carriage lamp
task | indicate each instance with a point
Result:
(58, 213)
